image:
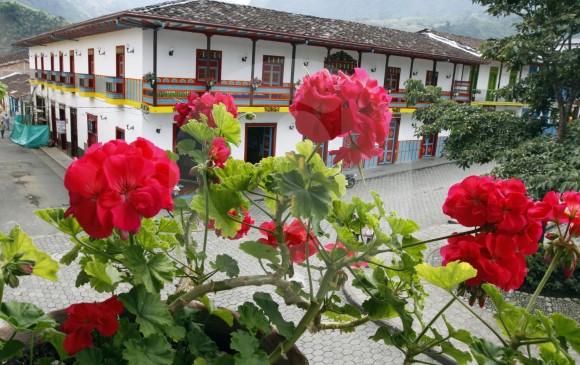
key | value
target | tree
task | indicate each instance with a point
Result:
(544, 37)
(3, 90)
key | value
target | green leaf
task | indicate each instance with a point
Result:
(236, 175)
(487, 353)
(403, 227)
(226, 264)
(25, 316)
(378, 203)
(10, 349)
(567, 328)
(104, 277)
(227, 125)
(308, 200)
(261, 251)
(508, 316)
(270, 307)
(253, 318)
(446, 277)
(176, 333)
(462, 357)
(152, 272)
(152, 314)
(55, 217)
(56, 339)
(169, 226)
(200, 345)
(221, 201)
(245, 343)
(89, 356)
(18, 241)
(127, 331)
(154, 350)
(69, 257)
(200, 131)
(225, 314)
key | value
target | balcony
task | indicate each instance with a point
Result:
(115, 87)
(67, 80)
(55, 78)
(272, 95)
(86, 82)
(48, 77)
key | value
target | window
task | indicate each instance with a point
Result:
(35, 62)
(60, 62)
(392, 79)
(209, 69)
(430, 78)
(273, 71)
(120, 60)
(91, 55)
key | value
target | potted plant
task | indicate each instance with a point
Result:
(150, 78)
(117, 190)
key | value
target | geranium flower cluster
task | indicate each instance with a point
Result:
(115, 184)
(197, 106)
(561, 209)
(84, 317)
(295, 236)
(327, 106)
(219, 152)
(508, 232)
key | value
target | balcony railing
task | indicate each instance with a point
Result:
(55, 77)
(48, 77)
(114, 87)
(272, 95)
(86, 82)
(67, 79)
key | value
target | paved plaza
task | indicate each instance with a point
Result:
(414, 191)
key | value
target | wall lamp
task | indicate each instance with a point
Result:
(374, 68)
(101, 51)
(129, 49)
(415, 73)
(244, 57)
(78, 53)
(171, 50)
(291, 127)
(158, 130)
(306, 63)
(130, 127)
(448, 76)
(103, 117)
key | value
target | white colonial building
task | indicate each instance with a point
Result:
(118, 76)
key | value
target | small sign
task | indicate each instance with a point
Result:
(61, 126)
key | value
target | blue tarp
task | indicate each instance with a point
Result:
(28, 135)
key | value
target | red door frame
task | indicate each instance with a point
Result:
(53, 122)
(431, 143)
(391, 145)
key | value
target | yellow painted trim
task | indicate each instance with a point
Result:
(88, 94)
(408, 110)
(498, 103)
(159, 109)
(261, 109)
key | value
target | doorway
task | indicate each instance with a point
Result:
(491, 84)
(61, 127)
(92, 129)
(260, 141)
(428, 145)
(53, 134)
(74, 139)
(390, 145)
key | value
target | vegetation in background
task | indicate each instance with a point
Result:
(18, 22)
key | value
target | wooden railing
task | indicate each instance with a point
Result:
(114, 87)
(86, 82)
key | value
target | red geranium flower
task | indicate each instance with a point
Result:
(114, 184)
(243, 231)
(340, 245)
(296, 238)
(82, 318)
(219, 152)
(362, 149)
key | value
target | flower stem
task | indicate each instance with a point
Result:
(435, 318)
(206, 220)
(318, 145)
(344, 325)
(436, 239)
(2, 284)
(544, 281)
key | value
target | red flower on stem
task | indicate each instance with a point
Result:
(340, 245)
(197, 106)
(243, 231)
(84, 317)
(296, 238)
(219, 152)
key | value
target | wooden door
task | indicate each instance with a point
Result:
(390, 145)
(53, 134)
(428, 145)
(491, 83)
(74, 139)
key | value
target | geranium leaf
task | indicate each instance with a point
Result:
(200, 131)
(18, 241)
(127, 331)
(154, 350)
(103, 276)
(236, 175)
(378, 203)
(200, 345)
(270, 307)
(510, 314)
(261, 251)
(152, 314)
(176, 333)
(69, 257)
(152, 272)
(253, 318)
(487, 352)
(169, 226)
(308, 201)
(567, 328)
(25, 316)
(403, 227)
(55, 217)
(10, 349)
(186, 147)
(226, 264)
(221, 201)
(446, 277)
(244, 343)
(227, 125)
(89, 356)
(56, 339)
(226, 315)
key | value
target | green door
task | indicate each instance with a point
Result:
(491, 83)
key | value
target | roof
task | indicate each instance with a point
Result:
(18, 85)
(215, 17)
(473, 43)
(13, 57)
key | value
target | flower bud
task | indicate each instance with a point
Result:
(551, 236)
(13, 281)
(481, 301)
(18, 255)
(549, 255)
(569, 267)
(24, 269)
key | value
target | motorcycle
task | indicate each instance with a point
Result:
(350, 180)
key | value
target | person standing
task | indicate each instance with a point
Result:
(7, 121)
(2, 127)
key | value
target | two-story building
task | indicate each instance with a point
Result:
(119, 75)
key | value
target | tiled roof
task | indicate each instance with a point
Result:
(474, 43)
(14, 57)
(234, 15)
(18, 85)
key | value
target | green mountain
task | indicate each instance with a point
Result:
(18, 21)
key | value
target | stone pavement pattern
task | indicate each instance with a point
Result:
(417, 194)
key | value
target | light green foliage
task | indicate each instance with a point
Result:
(227, 126)
(446, 277)
(270, 308)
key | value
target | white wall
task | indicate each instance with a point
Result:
(370, 60)
(404, 63)
(232, 50)
(185, 45)
(269, 48)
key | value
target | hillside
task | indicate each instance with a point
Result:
(19, 21)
